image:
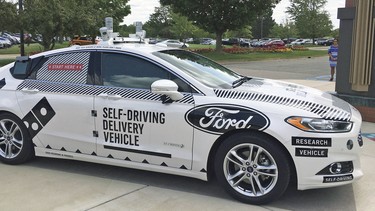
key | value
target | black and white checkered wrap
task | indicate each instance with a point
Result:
(77, 89)
(78, 77)
(325, 112)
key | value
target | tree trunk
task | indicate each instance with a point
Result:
(219, 36)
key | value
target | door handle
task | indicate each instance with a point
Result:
(29, 90)
(110, 96)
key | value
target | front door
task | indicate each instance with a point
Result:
(132, 123)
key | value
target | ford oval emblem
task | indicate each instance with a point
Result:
(221, 118)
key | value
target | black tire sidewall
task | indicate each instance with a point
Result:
(27, 151)
(268, 144)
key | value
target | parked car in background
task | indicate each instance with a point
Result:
(205, 41)
(236, 41)
(301, 42)
(11, 38)
(289, 40)
(77, 40)
(261, 42)
(325, 42)
(173, 43)
(5, 43)
(274, 43)
(319, 40)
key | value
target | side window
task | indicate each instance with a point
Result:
(65, 68)
(119, 70)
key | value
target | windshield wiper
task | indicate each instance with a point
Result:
(240, 81)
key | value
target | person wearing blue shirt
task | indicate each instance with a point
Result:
(333, 53)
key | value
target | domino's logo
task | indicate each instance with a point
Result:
(38, 117)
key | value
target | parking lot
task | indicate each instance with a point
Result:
(51, 184)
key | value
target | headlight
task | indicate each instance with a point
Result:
(319, 125)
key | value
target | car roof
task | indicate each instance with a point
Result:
(122, 47)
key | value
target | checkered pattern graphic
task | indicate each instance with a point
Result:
(77, 89)
(325, 112)
(66, 76)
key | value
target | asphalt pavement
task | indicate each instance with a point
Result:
(53, 184)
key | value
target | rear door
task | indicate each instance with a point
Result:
(57, 101)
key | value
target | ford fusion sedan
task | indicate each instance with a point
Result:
(173, 111)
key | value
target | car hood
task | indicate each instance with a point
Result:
(291, 95)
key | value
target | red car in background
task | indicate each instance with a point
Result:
(274, 43)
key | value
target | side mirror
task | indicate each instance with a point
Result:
(166, 87)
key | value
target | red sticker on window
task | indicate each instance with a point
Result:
(65, 67)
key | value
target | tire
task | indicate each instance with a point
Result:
(257, 179)
(16, 146)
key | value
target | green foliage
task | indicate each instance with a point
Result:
(263, 24)
(58, 18)
(164, 23)
(219, 16)
(311, 19)
(125, 30)
(182, 28)
(335, 33)
(285, 30)
(160, 22)
(245, 32)
(8, 16)
(4, 62)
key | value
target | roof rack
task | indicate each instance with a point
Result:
(110, 38)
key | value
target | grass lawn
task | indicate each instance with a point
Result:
(34, 47)
(5, 61)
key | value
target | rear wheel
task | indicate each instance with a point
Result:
(252, 168)
(15, 144)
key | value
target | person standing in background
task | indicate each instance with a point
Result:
(333, 53)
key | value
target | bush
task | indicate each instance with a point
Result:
(299, 48)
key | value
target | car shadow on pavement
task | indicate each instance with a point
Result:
(338, 198)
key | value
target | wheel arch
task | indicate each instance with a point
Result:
(13, 114)
(220, 140)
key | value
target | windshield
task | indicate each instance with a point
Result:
(202, 69)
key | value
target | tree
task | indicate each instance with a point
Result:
(263, 24)
(159, 23)
(285, 30)
(311, 20)
(125, 30)
(219, 16)
(8, 16)
(45, 18)
(182, 28)
(52, 19)
(245, 32)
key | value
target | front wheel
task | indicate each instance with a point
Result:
(15, 144)
(252, 168)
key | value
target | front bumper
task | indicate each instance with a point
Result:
(341, 163)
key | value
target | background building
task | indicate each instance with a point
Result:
(355, 77)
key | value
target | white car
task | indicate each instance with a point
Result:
(301, 42)
(173, 111)
(173, 43)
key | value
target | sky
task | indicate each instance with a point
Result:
(141, 10)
